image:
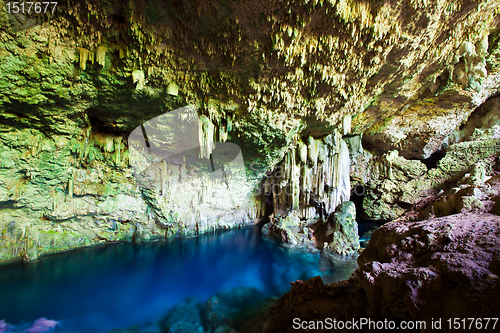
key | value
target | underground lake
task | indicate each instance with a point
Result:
(113, 286)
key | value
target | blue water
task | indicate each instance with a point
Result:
(101, 288)
(365, 230)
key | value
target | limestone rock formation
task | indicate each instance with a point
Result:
(395, 184)
(313, 179)
(476, 192)
(290, 230)
(340, 232)
(441, 268)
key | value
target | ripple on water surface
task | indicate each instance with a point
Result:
(101, 288)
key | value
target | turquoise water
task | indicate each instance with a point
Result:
(101, 288)
(365, 230)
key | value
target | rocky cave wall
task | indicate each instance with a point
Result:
(272, 77)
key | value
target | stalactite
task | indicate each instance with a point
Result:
(84, 56)
(313, 150)
(172, 89)
(302, 152)
(346, 124)
(312, 179)
(100, 55)
(109, 146)
(206, 136)
(198, 190)
(138, 79)
(118, 145)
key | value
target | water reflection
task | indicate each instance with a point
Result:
(105, 287)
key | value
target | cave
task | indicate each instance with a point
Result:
(249, 166)
(357, 196)
(432, 161)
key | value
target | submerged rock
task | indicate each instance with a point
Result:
(184, 327)
(222, 313)
(132, 329)
(232, 308)
(184, 316)
(214, 316)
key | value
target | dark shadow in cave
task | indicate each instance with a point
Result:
(432, 161)
(357, 197)
(366, 226)
(484, 116)
(99, 126)
(268, 208)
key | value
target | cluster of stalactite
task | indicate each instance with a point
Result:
(209, 133)
(312, 179)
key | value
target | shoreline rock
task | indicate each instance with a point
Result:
(447, 267)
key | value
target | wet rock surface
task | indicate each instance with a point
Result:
(290, 230)
(308, 300)
(446, 267)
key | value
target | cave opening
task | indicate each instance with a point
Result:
(99, 125)
(268, 207)
(432, 161)
(357, 196)
(366, 226)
